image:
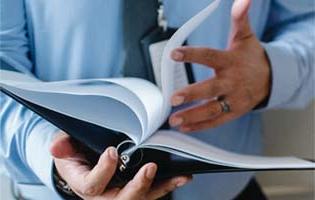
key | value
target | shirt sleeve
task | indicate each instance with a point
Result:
(24, 136)
(290, 45)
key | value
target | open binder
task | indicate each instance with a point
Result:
(128, 113)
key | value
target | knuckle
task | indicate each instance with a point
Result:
(209, 54)
(212, 109)
(187, 55)
(187, 52)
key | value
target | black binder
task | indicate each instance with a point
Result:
(100, 138)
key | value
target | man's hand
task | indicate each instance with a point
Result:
(90, 182)
(242, 78)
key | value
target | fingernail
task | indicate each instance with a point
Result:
(150, 172)
(177, 55)
(177, 100)
(176, 121)
(181, 182)
(112, 153)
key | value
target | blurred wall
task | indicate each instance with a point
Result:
(290, 133)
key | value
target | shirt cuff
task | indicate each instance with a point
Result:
(284, 73)
(38, 156)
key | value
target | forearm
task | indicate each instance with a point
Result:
(290, 50)
(25, 139)
(37, 152)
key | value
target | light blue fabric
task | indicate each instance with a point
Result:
(57, 40)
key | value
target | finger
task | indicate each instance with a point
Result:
(109, 194)
(196, 114)
(141, 183)
(207, 89)
(212, 123)
(97, 179)
(62, 147)
(215, 59)
(240, 21)
(168, 186)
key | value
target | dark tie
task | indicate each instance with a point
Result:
(139, 18)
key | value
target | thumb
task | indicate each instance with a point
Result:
(62, 147)
(240, 21)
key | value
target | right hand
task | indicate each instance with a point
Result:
(90, 182)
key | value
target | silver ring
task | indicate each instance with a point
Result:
(225, 106)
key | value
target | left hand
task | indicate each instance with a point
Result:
(73, 163)
(242, 78)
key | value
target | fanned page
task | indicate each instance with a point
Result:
(111, 103)
(191, 148)
(168, 65)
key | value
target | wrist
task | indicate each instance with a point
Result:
(266, 85)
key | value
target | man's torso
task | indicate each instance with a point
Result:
(83, 39)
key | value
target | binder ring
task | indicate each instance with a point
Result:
(125, 157)
(120, 145)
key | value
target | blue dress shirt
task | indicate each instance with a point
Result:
(58, 40)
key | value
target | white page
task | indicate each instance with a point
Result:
(151, 98)
(66, 97)
(186, 146)
(103, 111)
(180, 75)
(168, 65)
(6, 75)
(141, 96)
(98, 87)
